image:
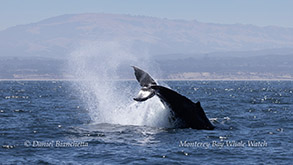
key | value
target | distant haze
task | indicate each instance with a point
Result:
(181, 49)
(57, 36)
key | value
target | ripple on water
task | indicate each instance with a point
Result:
(241, 111)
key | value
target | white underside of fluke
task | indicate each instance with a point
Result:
(144, 94)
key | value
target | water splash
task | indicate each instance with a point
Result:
(96, 65)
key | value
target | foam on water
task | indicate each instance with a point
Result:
(96, 66)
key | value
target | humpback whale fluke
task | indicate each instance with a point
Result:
(145, 81)
(190, 114)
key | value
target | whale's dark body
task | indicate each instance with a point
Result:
(190, 114)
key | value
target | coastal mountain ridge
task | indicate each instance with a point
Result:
(185, 49)
(57, 36)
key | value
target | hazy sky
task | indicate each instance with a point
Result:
(257, 12)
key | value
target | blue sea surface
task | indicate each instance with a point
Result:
(48, 122)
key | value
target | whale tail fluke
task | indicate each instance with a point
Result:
(145, 81)
(190, 114)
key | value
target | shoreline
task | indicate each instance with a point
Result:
(157, 79)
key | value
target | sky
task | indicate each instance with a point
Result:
(256, 12)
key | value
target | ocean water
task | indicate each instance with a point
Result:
(73, 122)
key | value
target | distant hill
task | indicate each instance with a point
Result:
(58, 36)
(180, 49)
